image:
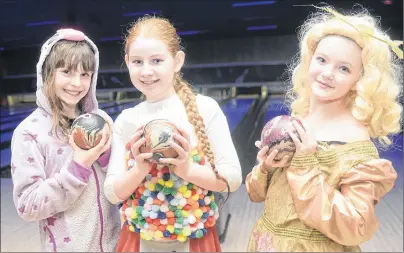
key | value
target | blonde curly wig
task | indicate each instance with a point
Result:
(375, 101)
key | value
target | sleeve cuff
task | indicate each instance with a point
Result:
(109, 190)
(304, 161)
(80, 172)
(104, 158)
(259, 175)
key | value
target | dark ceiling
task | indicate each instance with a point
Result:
(27, 23)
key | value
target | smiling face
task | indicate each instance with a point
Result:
(67, 74)
(335, 68)
(71, 86)
(152, 67)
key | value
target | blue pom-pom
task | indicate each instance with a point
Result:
(166, 233)
(201, 202)
(161, 215)
(153, 194)
(192, 235)
(140, 202)
(169, 197)
(205, 215)
(166, 176)
(204, 231)
(137, 230)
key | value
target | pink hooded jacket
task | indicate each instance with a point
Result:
(66, 198)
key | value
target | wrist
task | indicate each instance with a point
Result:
(263, 168)
(83, 164)
(183, 171)
(143, 170)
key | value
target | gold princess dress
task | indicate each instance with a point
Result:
(323, 201)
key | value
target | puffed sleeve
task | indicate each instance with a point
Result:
(346, 212)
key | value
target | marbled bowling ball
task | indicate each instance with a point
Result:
(275, 135)
(158, 135)
(87, 130)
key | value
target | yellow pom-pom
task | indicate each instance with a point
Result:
(158, 234)
(146, 236)
(169, 183)
(131, 228)
(187, 194)
(160, 181)
(194, 152)
(182, 189)
(181, 238)
(186, 231)
(212, 197)
(151, 187)
(185, 213)
(170, 228)
(134, 214)
(198, 213)
(195, 197)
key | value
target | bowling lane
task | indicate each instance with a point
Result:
(276, 107)
(6, 153)
(5, 157)
(18, 112)
(10, 121)
(15, 111)
(108, 107)
(235, 110)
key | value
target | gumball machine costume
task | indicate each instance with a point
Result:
(165, 207)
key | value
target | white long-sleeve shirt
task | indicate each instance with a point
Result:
(172, 109)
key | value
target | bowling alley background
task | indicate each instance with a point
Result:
(237, 52)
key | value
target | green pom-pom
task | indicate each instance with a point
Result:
(199, 233)
(213, 205)
(159, 187)
(197, 158)
(190, 186)
(178, 213)
(177, 231)
(179, 220)
(139, 209)
(172, 208)
(173, 192)
(141, 223)
(167, 191)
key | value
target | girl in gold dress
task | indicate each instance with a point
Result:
(345, 87)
